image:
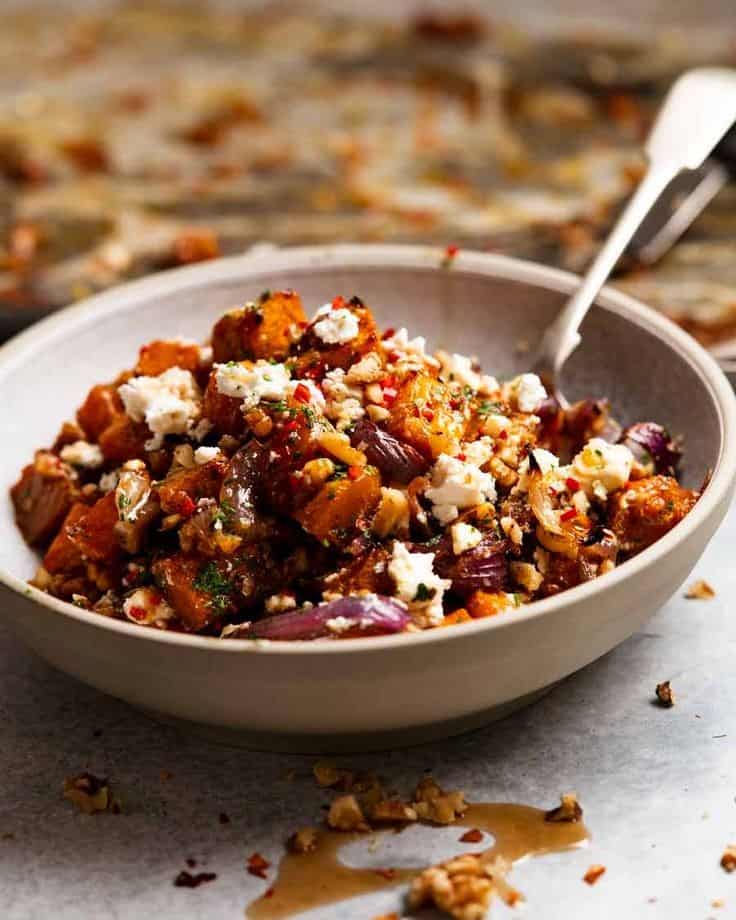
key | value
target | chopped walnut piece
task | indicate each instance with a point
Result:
(728, 860)
(303, 841)
(257, 865)
(594, 873)
(329, 775)
(392, 811)
(717, 903)
(700, 591)
(665, 695)
(433, 804)
(88, 792)
(345, 814)
(461, 887)
(568, 810)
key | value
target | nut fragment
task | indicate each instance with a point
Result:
(728, 860)
(700, 591)
(433, 804)
(338, 445)
(345, 814)
(568, 811)
(257, 865)
(303, 841)
(88, 792)
(329, 775)
(317, 472)
(460, 887)
(392, 515)
(665, 695)
(392, 811)
(594, 873)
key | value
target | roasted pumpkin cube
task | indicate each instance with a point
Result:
(200, 592)
(368, 572)
(316, 357)
(93, 533)
(124, 439)
(334, 512)
(646, 510)
(64, 556)
(422, 415)
(482, 604)
(224, 412)
(262, 330)
(160, 355)
(180, 492)
(101, 407)
(42, 497)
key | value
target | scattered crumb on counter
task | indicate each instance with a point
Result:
(700, 591)
(568, 811)
(303, 841)
(257, 865)
(166, 775)
(665, 695)
(728, 860)
(187, 880)
(594, 873)
(90, 794)
(718, 902)
(223, 818)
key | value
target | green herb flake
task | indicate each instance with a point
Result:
(211, 581)
(424, 593)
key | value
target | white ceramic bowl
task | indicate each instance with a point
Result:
(384, 691)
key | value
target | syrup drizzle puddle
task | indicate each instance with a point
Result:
(309, 880)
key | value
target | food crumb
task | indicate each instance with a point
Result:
(223, 818)
(568, 811)
(593, 874)
(303, 841)
(89, 793)
(728, 860)
(700, 591)
(474, 835)
(191, 862)
(166, 775)
(345, 814)
(665, 695)
(257, 865)
(717, 902)
(391, 916)
(186, 880)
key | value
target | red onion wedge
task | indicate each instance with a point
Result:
(346, 617)
(241, 485)
(653, 447)
(396, 460)
(482, 568)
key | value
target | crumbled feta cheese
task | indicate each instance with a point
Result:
(545, 460)
(339, 624)
(478, 452)
(464, 537)
(527, 392)
(458, 369)
(401, 342)
(148, 607)
(344, 402)
(457, 484)
(280, 603)
(368, 370)
(108, 481)
(205, 356)
(418, 585)
(488, 385)
(252, 382)
(337, 327)
(168, 404)
(82, 453)
(495, 424)
(526, 575)
(601, 467)
(203, 455)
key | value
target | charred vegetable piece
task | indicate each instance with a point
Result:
(99, 410)
(261, 330)
(180, 492)
(590, 418)
(482, 568)
(653, 447)
(334, 513)
(223, 411)
(398, 462)
(198, 590)
(160, 355)
(42, 497)
(648, 509)
(347, 617)
(422, 417)
(316, 356)
(368, 572)
(63, 555)
(124, 439)
(94, 532)
(241, 487)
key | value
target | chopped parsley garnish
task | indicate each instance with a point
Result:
(341, 471)
(487, 408)
(309, 416)
(211, 581)
(224, 514)
(424, 593)
(123, 501)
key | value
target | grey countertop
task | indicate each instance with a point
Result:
(658, 787)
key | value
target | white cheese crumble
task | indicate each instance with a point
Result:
(280, 603)
(108, 481)
(203, 455)
(344, 402)
(368, 370)
(464, 537)
(252, 382)
(458, 369)
(337, 327)
(601, 467)
(495, 424)
(457, 484)
(527, 392)
(168, 404)
(478, 452)
(339, 624)
(147, 606)
(82, 453)
(418, 585)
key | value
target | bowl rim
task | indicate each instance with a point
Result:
(409, 257)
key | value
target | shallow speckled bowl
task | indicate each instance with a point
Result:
(379, 692)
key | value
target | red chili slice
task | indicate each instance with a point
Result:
(572, 484)
(301, 393)
(354, 472)
(568, 515)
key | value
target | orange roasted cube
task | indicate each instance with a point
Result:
(93, 533)
(101, 407)
(199, 591)
(63, 555)
(261, 330)
(646, 510)
(225, 412)
(180, 492)
(317, 356)
(422, 415)
(339, 505)
(42, 497)
(160, 355)
(124, 439)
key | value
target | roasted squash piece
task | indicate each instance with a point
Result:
(124, 439)
(199, 591)
(422, 415)
(180, 492)
(368, 572)
(223, 411)
(262, 330)
(160, 355)
(482, 604)
(42, 497)
(101, 407)
(63, 555)
(339, 505)
(316, 357)
(94, 532)
(646, 510)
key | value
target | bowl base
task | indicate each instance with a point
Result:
(348, 743)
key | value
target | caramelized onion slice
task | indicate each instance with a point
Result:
(653, 447)
(482, 568)
(348, 617)
(241, 485)
(397, 461)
